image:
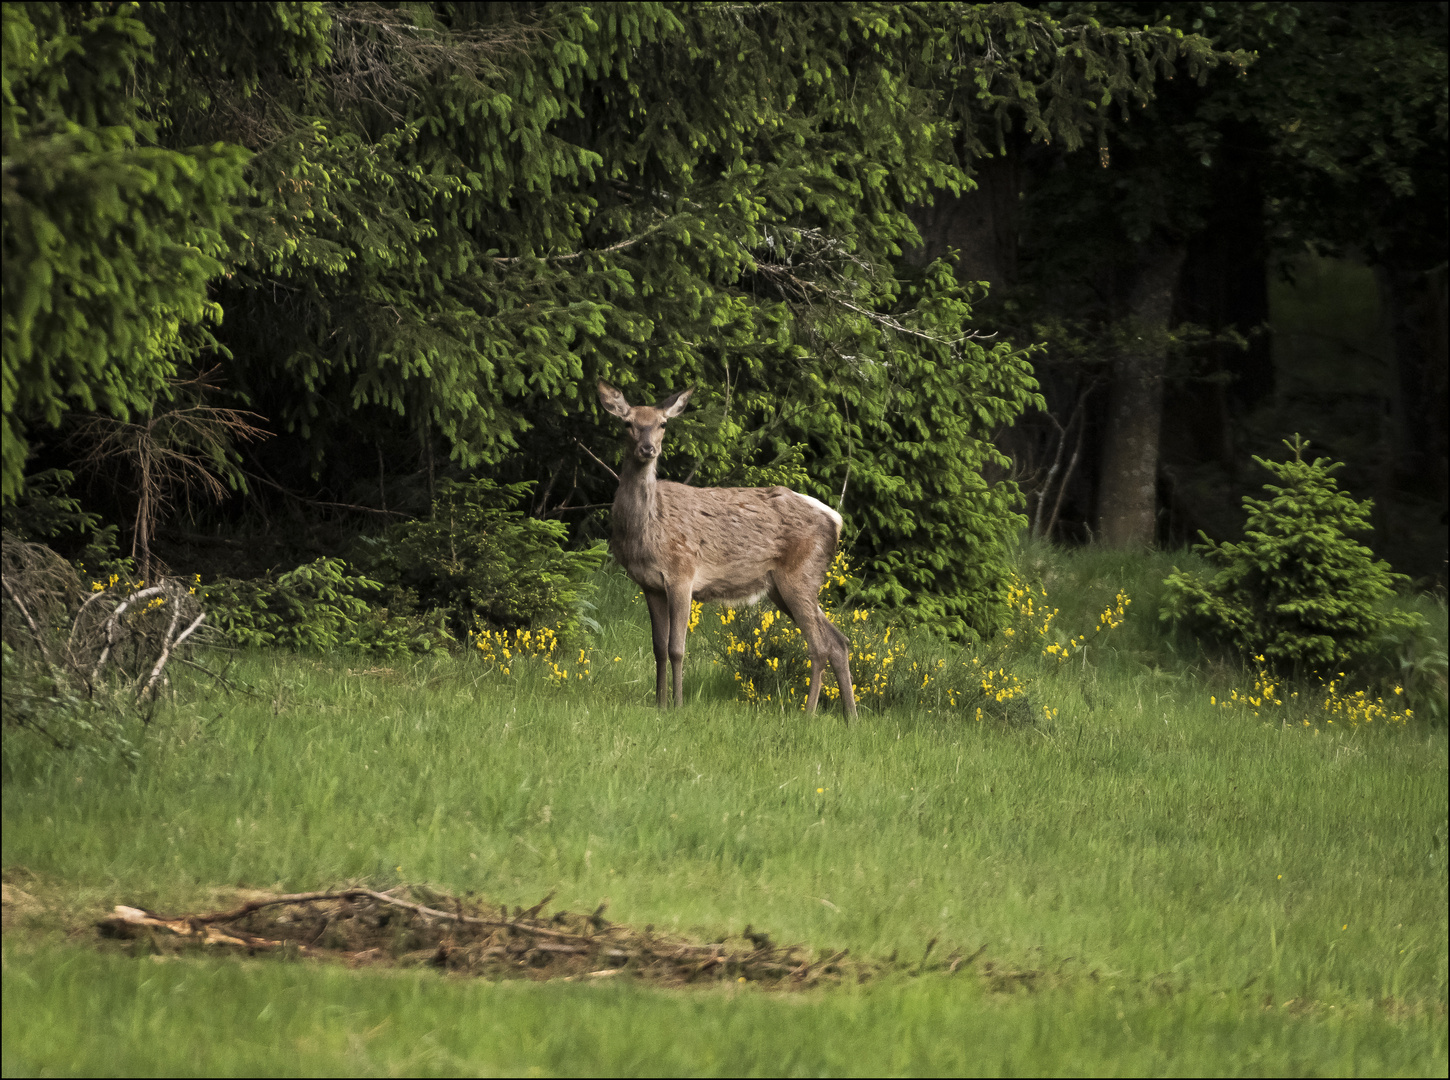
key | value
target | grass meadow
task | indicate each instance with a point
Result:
(1145, 882)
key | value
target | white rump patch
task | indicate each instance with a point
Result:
(817, 502)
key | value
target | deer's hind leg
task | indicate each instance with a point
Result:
(840, 654)
(823, 641)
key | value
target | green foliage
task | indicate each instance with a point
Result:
(473, 212)
(477, 560)
(422, 586)
(46, 509)
(1353, 106)
(108, 240)
(1298, 591)
(319, 606)
(458, 215)
(933, 534)
(891, 666)
(1423, 664)
(1059, 76)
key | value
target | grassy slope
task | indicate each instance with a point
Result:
(1171, 870)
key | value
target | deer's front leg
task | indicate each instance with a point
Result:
(679, 604)
(659, 624)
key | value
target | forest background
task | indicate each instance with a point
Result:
(277, 274)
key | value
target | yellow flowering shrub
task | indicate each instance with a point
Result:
(1332, 703)
(1031, 624)
(512, 652)
(767, 657)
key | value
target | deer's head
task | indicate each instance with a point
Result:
(645, 424)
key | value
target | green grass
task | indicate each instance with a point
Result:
(72, 1010)
(1201, 893)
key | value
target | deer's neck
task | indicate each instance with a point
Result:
(636, 502)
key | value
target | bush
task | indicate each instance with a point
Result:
(321, 606)
(46, 509)
(1298, 591)
(56, 711)
(422, 585)
(480, 562)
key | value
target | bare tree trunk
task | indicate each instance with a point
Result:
(146, 498)
(1071, 463)
(1128, 493)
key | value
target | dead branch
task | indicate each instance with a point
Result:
(1078, 416)
(48, 582)
(804, 288)
(30, 622)
(72, 637)
(216, 675)
(1036, 529)
(569, 256)
(177, 450)
(167, 645)
(591, 453)
(76, 637)
(381, 57)
(382, 898)
(323, 502)
(1066, 476)
(111, 632)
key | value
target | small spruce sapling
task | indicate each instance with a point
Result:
(1298, 591)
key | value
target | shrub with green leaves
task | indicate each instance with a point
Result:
(422, 585)
(321, 606)
(1298, 590)
(479, 561)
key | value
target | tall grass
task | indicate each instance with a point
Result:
(1161, 864)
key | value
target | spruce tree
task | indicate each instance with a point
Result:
(1298, 592)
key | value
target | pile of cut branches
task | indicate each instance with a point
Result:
(411, 924)
(114, 634)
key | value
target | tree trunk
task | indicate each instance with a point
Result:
(1128, 492)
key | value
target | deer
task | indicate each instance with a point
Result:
(680, 543)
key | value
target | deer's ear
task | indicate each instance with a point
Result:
(613, 401)
(675, 403)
